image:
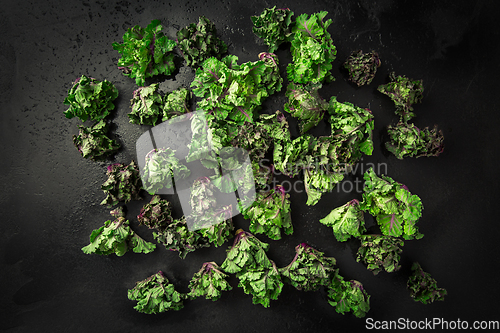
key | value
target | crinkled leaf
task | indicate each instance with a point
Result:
(309, 269)
(176, 103)
(263, 283)
(312, 50)
(161, 168)
(404, 92)
(146, 52)
(209, 220)
(423, 288)
(273, 26)
(157, 214)
(93, 143)
(147, 106)
(91, 99)
(123, 184)
(353, 126)
(305, 103)
(116, 237)
(209, 282)
(407, 140)
(176, 236)
(346, 221)
(270, 213)
(156, 295)
(246, 253)
(235, 92)
(199, 42)
(396, 210)
(362, 67)
(348, 296)
(380, 252)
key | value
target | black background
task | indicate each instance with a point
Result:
(50, 195)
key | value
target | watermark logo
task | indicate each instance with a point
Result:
(171, 163)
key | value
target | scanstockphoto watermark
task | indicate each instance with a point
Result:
(431, 324)
(346, 185)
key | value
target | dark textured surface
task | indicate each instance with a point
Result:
(50, 195)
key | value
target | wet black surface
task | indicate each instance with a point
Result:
(50, 195)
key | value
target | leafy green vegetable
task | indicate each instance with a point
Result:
(423, 288)
(264, 283)
(176, 236)
(309, 269)
(157, 214)
(156, 295)
(123, 184)
(326, 159)
(231, 91)
(147, 106)
(305, 103)
(404, 92)
(406, 139)
(348, 296)
(176, 103)
(199, 42)
(246, 253)
(117, 212)
(346, 221)
(276, 125)
(93, 143)
(362, 67)
(397, 210)
(91, 99)
(273, 26)
(380, 252)
(116, 237)
(288, 155)
(209, 282)
(319, 181)
(146, 52)
(270, 213)
(212, 222)
(353, 126)
(312, 50)
(257, 274)
(161, 168)
(253, 138)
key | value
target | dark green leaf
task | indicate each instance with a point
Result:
(396, 210)
(123, 184)
(312, 50)
(91, 99)
(309, 269)
(146, 52)
(116, 237)
(263, 283)
(346, 221)
(423, 288)
(199, 42)
(404, 92)
(348, 296)
(273, 26)
(362, 67)
(407, 140)
(209, 282)
(156, 295)
(246, 253)
(93, 143)
(270, 213)
(380, 252)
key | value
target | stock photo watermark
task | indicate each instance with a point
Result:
(346, 185)
(431, 324)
